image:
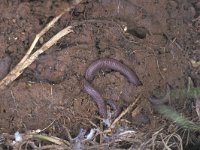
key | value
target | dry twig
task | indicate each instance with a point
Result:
(28, 58)
(125, 111)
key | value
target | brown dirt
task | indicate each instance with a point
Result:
(162, 38)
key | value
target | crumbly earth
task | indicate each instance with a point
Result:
(162, 38)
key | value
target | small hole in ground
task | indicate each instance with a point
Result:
(139, 32)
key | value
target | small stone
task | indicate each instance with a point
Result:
(194, 63)
(192, 11)
(41, 40)
(164, 69)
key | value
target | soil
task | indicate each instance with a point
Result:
(161, 40)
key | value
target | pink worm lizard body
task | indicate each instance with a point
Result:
(110, 64)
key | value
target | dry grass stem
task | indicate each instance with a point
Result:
(52, 139)
(40, 34)
(125, 111)
(18, 70)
